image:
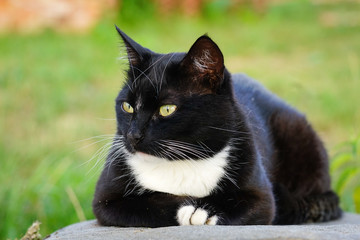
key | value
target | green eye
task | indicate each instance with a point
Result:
(167, 110)
(127, 107)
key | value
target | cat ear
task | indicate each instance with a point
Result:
(205, 61)
(134, 50)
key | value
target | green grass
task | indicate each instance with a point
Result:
(345, 171)
(58, 89)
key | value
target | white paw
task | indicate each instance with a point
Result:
(184, 215)
(212, 220)
(188, 215)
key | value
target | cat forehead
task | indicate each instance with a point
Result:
(166, 95)
(162, 61)
(161, 77)
(152, 75)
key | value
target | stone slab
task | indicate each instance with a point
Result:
(348, 227)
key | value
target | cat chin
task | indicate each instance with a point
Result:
(142, 154)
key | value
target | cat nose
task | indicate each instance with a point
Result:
(134, 137)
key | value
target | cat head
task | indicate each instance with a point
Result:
(176, 105)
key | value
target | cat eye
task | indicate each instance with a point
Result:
(167, 110)
(127, 107)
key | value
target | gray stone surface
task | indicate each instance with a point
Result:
(346, 228)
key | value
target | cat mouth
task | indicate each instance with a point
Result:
(137, 149)
(170, 150)
(132, 148)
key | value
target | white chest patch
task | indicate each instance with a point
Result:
(197, 178)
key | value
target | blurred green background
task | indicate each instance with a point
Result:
(57, 91)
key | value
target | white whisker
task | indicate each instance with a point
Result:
(99, 136)
(145, 75)
(162, 76)
(135, 79)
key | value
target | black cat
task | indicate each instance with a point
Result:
(197, 145)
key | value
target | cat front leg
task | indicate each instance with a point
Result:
(190, 215)
(147, 210)
(246, 207)
(243, 208)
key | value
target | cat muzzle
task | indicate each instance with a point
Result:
(134, 137)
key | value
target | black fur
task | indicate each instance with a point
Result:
(277, 169)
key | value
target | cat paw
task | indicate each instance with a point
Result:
(189, 215)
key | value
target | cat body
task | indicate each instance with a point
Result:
(197, 145)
